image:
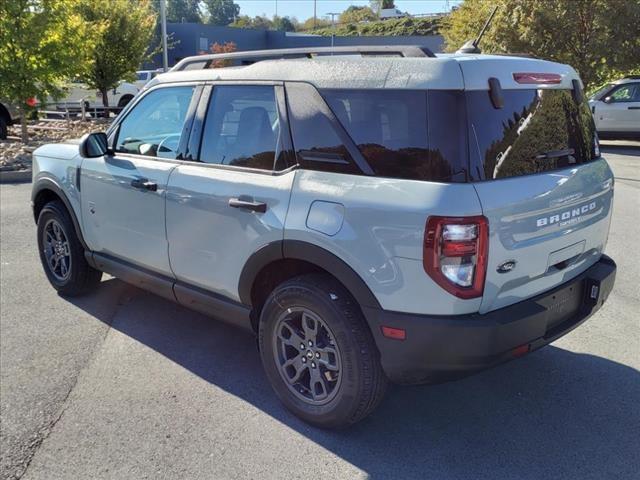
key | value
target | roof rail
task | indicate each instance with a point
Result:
(200, 62)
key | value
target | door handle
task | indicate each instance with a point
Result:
(633, 108)
(247, 203)
(144, 184)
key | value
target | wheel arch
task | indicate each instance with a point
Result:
(46, 190)
(278, 261)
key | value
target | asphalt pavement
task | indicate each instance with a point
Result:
(123, 384)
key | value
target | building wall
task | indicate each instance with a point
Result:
(193, 38)
(280, 40)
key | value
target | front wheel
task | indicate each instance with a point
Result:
(318, 352)
(62, 254)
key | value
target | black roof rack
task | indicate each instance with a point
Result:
(201, 62)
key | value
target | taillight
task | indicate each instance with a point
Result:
(31, 102)
(455, 254)
(537, 78)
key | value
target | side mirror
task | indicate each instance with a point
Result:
(607, 99)
(94, 145)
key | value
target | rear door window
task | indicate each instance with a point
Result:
(536, 131)
(242, 127)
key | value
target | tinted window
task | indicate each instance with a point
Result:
(317, 142)
(242, 127)
(536, 131)
(390, 128)
(448, 143)
(153, 127)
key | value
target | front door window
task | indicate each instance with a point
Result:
(154, 125)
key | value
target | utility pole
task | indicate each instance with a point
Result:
(314, 14)
(333, 26)
(163, 23)
(276, 8)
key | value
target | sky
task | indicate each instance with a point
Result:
(303, 9)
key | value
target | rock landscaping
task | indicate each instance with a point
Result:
(16, 156)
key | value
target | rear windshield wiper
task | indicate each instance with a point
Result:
(556, 153)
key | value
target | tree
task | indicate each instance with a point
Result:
(284, 24)
(42, 42)
(258, 22)
(596, 37)
(122, 45)
(377, 5)
(392, 27)
(355, 14)
(221, 12)
(226, 47)
(184, 11)
(311, 23)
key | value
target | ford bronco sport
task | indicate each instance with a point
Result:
(377, 214)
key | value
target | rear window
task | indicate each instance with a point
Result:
(536, 131)
(391, 129)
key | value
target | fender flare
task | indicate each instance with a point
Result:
(48, 184)
(310, 253)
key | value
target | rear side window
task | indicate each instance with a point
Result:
(318, 143)
(391, 130)
(536, 131)
(242, 127)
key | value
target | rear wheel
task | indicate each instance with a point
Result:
(318, 352)
(62, 254)
(124, 101)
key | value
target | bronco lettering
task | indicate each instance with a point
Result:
(569, 214)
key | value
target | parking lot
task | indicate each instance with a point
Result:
(123, 384)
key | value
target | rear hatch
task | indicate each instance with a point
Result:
(538, 175)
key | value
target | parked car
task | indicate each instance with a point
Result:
(8, 116)
(78, 92)
(387, 13)
(403, 217)
(616, 108)
(143, 77)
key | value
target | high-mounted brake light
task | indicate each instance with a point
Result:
(455, 254)
(537, 78)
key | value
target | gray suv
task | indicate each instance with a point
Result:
(370, 214)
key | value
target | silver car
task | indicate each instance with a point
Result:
(370, 214)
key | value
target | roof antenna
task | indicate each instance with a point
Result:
(472, 45)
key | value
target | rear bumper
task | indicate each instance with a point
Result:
(440, 348)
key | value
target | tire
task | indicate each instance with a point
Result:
(339, 398)
(124, 101)
(4, 128)
(78, 277)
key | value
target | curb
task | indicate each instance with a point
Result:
(15, 176)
